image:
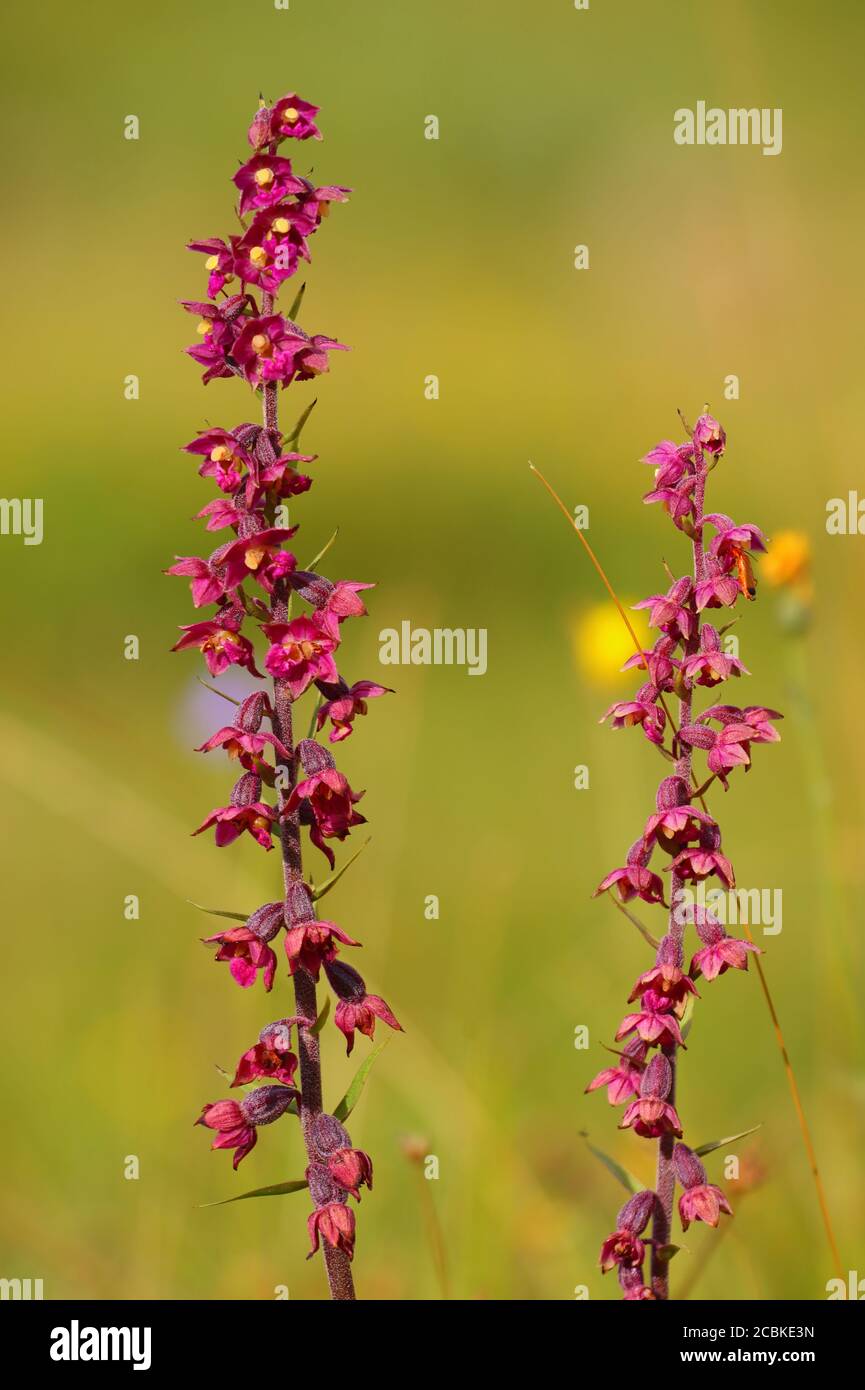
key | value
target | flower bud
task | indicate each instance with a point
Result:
(251, 711)
(298, 904)
(635, 1214)
(345, 980)
(657, 1078)
(246, 790)
(313, 757)
(689, 1169)
(267, 1103)
(266, 921)
(672, 792)
(328, 1135)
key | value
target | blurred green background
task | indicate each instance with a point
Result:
(454, 257)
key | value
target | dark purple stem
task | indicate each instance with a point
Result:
(337, 1263)
(665, 1182)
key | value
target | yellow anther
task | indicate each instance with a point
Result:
(211, 263)
(263, 177)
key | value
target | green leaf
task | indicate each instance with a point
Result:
(352, 1095)
(322, 1018)
(728, 1139)
(325, 548)
(310, 733)
(296, 303)
(666, 1252)
(230, 698)
(688, 1016)
(628, 1181)
(294, 437)
(218, 912)
(278, 1190)
(329, 883)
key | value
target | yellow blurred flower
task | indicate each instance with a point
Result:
(602, 643)
(787, 564)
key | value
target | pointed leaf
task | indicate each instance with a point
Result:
(230, 698)
(728, 1139)
(277, 1190)
(687, 1016)
(218, 912)
(329, 883)
(311, 731)
(352, 1095)
(321, 554)
(294, 437)
(628, 1181)
(666, 1252)
(322, 1018)
(296, 303)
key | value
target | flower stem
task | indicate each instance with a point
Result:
(337, 1263)
(665, 1182)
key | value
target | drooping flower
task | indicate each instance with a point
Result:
(641, 710)
(271, 1057)
(709, 666)
(719, 952)
(670, 611)
(220, 643)
(309, 944)
(343, 704)
(206, 585)
(701, 1199)
(655, 1022)
(256, 818)
(624, 1247)
(634, 879)
(356, 1010)
(335, 1225)
(622, 1080)
(652, 1114)
(237, 1122)
(259, 556)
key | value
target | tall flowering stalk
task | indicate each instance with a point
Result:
(688, 655)
(251, 581)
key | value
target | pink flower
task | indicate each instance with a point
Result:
(326, 803)
(206, 586)
(655, 1023)
(622, 1080)
(309, 944)
(220, 643)
(623, 1247)
(224, 460)
(716, 589)
(634, 880)
(701, 1200)
(709, 435)
(334, 1224)
(677, 500)
(256, 819)
(265, 180)
(701, 860)
(294, 118)
(236, 1122)
(670, 611)
(676, 826)
(301, 652)
(274, 349)
(670, 462)
(344, 704)
(246, 746)
(271, 1057)
(641, 710)
(356, 1009)
(651, 1115)
(246, 947)
(258, 556)
(730, 541)
(247, 953)
(219, 263)
(719, 952)
(659, 662)
(352, 1169)
(709, 666)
